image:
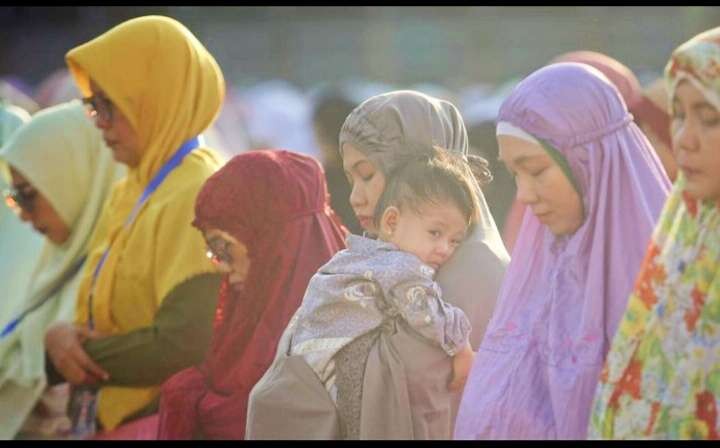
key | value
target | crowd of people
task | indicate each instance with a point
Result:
(199, 261)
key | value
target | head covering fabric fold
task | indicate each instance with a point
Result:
(61, 153)
(124, 62)
(389, 127)
(275, 203)
(403, 122)
(170, 88)
(562, 297)
(661, 377)
(643, 108)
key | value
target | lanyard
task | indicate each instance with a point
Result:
(155, 182)
(68, 275)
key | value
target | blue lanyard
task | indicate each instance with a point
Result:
(155, 182)
(68, 275)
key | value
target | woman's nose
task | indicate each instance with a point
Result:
(525, 192)
(357, 197)
(101, 122)
(443, 249)
(685, 139)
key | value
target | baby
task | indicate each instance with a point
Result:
(425, 212)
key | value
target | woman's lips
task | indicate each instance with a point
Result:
(690, 172)
(542, 216)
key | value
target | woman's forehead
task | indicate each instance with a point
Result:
(513, 148)
(686, 91)
(352, 156)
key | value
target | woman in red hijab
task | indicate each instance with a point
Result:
(267, 223)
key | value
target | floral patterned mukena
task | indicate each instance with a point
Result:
(661, 378)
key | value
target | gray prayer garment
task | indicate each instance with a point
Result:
(357, 290)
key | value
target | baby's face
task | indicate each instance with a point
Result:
(433, 234)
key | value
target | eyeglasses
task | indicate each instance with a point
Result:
(18, 199)
(218, 251)
(99, 107)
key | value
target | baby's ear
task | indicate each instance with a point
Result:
(389, 221)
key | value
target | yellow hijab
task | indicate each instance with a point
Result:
(170, 88)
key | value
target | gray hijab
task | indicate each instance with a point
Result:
(389, 127)
(404, 384)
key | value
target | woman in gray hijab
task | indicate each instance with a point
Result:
(403, 392)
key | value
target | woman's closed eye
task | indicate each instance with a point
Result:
(709, 118)
(538, 171)
(535, 168)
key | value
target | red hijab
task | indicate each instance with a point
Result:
(276, 203)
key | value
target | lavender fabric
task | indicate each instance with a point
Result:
(562, 297)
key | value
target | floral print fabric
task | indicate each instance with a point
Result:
(698, 60)
(661, 378)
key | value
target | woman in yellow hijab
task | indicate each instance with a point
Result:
(146, 299)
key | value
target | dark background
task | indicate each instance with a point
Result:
(452, 46)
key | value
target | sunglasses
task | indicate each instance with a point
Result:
(218, 251)
(19, 200)
(99, 107)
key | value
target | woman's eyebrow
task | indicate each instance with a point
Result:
(701, 105)
(357, 164)
(523, 159)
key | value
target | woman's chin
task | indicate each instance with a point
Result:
(236, 283)
(701, 191)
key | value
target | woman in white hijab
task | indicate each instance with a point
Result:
(61, 173)
(19, 244)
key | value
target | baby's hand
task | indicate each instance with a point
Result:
(462, 362)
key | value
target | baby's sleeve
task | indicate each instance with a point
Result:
(418, 299)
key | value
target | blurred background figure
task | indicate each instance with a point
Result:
(278, 115)
(657, 124)
(14, 91)
(329, 112)
(480, 109)
(57, 88)
(228, 134)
